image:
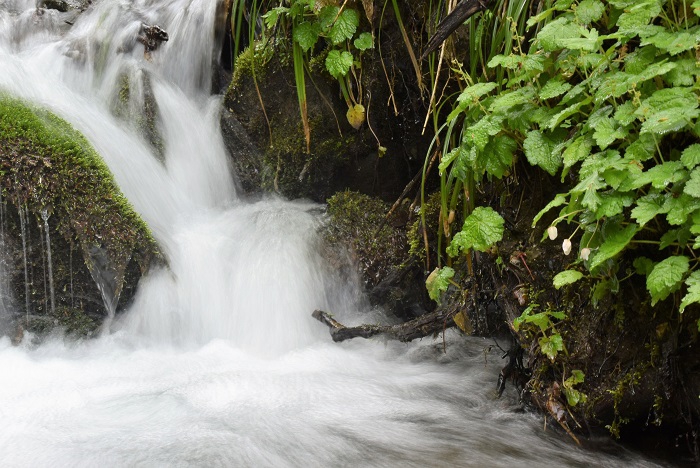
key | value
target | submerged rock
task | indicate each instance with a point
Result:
(72, 247)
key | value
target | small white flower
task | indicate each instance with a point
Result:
(585, 252)
(552, 232)
(566, 246)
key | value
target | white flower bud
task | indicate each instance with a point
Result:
(566, 246)
(552, 232)
(585, 252)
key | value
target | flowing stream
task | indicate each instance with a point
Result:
(218, 361)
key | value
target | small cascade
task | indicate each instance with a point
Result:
(45, 217)
(24, 228)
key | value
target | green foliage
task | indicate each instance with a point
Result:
(438, 281)
(573, 396)
(566, 277)
(608, 93)
(338, 26)
(481, 229)
(541, 324)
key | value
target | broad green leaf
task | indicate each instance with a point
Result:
(668, 110)
(306, 34)
(691, 156)
(674, 42)
(364, 41)
(473, 93)
(345, 26)
(482, 228)
(556, 119)
(678, 208)
(589, 41)
(693, 294)
(559, 200)
(551, 345)
(692, 187)
(338, 63)
(554, 87)
(438, 282)
(607, 131)
(647, 207)
(498, 155)
(574, 397)
(566, 277)
(625, 113)
(578, 150)
(448, 158)
(551, 35)
(666, 277)
(684, 74)
(589, 11)
(539, 150)
(642, 149)
(479, 133)
(612, 245)
(613, 204)
(661, 176)
(507, 100)
(511, 61)
(326, 16)
(638, 15)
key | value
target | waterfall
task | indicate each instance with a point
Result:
(218, 361)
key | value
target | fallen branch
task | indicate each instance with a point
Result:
(424, 325)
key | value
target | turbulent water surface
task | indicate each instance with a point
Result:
(218, 362)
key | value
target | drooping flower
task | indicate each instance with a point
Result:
(566, 246)
(585, 252)
(552, 232)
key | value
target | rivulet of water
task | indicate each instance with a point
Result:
(218, 361)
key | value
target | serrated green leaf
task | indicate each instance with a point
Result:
(692, 187)
(551, 35)
(638, 15)
(684, 74)
(472, 94)
(693, 294)
(272, 16)
(482, 228)
(507, 100)
(578, 150)
(306, 34)
(364, 41)
(566, 277)
(551, 345)
(607, 131)
(624, 113)
(499, 155)
(554, 87)
(691, 156)
(647, 208)
(612, 245)
(681, 236)
(674, 42)
(327, 15)
(589, 11)
(643, 265)
(589, 41)
(668, 110)
(479, 133)
(438, 281)
(338, 63)
(511, 61)
(613, 204)
(661, 175)
(539, 150)
(345, 26)
(666, 277)
(678, 208)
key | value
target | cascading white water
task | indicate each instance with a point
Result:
(218, 362)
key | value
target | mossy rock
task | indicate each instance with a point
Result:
(262, 100)
(65, 218)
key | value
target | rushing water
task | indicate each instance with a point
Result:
(218, 362)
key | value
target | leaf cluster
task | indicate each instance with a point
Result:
(608, 93)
